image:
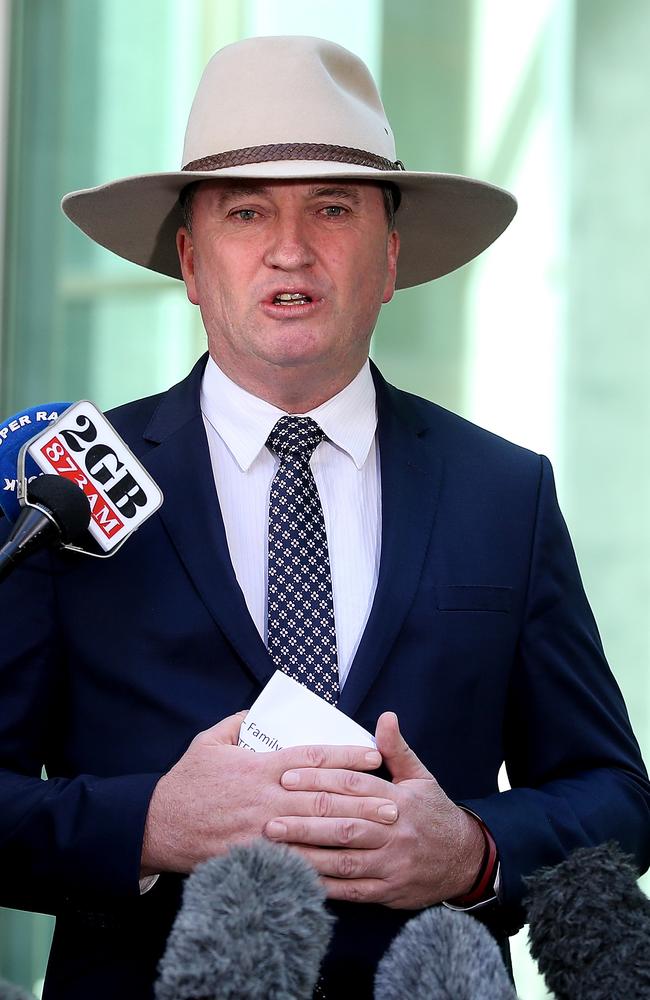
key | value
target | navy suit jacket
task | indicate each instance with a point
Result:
(480, 638)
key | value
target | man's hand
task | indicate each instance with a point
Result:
(433, 850)
(219, 794)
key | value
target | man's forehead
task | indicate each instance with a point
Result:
(229, 188)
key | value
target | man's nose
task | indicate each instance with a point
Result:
(289, 246)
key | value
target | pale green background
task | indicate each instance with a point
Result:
(544, 339)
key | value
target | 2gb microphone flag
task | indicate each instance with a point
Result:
(83, 447)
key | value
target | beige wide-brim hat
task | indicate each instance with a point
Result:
(297, 108)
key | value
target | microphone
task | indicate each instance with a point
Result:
(8, 991)
(590, 926)
(14, 433)
(81, 446)
(252, 925)
(443, 955)
(60, 515)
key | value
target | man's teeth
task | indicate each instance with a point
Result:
(291, 298)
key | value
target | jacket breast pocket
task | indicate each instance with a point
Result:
(474, 598)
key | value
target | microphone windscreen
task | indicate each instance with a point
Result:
(590, 926)
(10, 992)
(14, 433)
(67, 504)
(443, 955)
(252, 926)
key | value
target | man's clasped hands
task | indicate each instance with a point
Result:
(402, 843)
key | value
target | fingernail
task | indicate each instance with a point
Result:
(290, 779)
(373, 758)
(388, 813)
(276, 829)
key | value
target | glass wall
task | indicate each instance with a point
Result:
(543, 339)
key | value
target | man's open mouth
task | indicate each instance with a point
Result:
(291, 299)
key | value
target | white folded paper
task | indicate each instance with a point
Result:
(287, 714)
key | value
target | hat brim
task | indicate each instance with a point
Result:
(443, 220)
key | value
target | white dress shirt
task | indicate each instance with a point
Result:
(346, 470)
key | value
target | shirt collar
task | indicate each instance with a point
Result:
(244, 421)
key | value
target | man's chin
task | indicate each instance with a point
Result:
(300, 352)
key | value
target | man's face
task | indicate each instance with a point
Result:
(289, 277)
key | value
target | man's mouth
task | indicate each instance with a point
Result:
(291, 299)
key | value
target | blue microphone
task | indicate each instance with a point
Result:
(14, 433)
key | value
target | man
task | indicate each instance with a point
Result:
(446, 603)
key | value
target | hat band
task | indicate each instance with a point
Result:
(293, 151)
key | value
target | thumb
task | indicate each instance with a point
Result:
(226, 731)
(395, 751)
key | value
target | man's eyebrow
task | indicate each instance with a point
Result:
(348, 193)
(241, 191)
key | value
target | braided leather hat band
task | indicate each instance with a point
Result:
(294, 151)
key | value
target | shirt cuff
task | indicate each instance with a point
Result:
(147, 883)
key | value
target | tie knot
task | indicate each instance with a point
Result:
(295, 435)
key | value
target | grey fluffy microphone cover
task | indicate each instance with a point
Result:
(252, 926)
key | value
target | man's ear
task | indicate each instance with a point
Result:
(392, 253)
(185, 248)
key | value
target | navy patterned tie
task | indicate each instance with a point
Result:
(301, 634)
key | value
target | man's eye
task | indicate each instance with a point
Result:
(245, 214)
(333, 211)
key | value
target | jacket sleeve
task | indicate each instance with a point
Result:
(575, 769)
(71, 839)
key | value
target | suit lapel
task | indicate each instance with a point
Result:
(410, 483)
(181, 466)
